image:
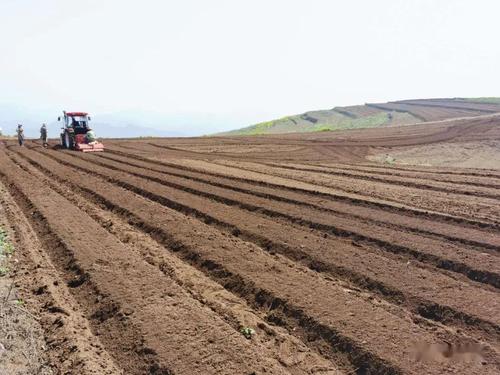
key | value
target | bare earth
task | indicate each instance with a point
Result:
(157, 255)
(479, 154)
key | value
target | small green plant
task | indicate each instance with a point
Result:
(247, 332)
(19, 302)
(3, 271)
(389, 160)
(3, 235)
(8, 248)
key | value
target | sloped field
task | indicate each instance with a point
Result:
(152, 256)
(375, 115)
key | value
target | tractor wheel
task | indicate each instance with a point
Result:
(68, 141)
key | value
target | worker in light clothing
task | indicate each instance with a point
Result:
(90, 136)
(20, 134)
(43, 135)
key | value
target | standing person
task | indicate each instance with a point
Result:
(20, 134)
(43, 135)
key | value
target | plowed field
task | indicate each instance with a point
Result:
(153, 256)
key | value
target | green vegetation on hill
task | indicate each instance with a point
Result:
(260, 128)
(486, 100)
(325, 120)
(372, 121)
(361, 116)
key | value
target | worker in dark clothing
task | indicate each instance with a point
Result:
(20, 134)
(44, 135)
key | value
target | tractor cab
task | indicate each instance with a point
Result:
(76, 133)
(78, 121)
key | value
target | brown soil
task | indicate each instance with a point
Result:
(22, 344)
(152, 257)
(479, 154)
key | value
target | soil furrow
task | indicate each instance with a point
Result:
(437, 175)
(465, 188)
(294, 254)
(483, 173)
(267, 282)
(260, 179)
(442, 231)
(477, 274)
(272, 340)
(370, 274)
(278, 310)
(482, 209)
(122, 297)
(72, 347)
(93, 302)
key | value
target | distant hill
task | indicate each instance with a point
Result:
(369, 115)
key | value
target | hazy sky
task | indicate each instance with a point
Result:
(248, 60)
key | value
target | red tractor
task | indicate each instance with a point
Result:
(76, 133)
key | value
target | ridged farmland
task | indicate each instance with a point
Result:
(284, 254)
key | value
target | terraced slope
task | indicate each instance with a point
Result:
(375, 115)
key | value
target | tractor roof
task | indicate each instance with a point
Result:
(76, 113)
